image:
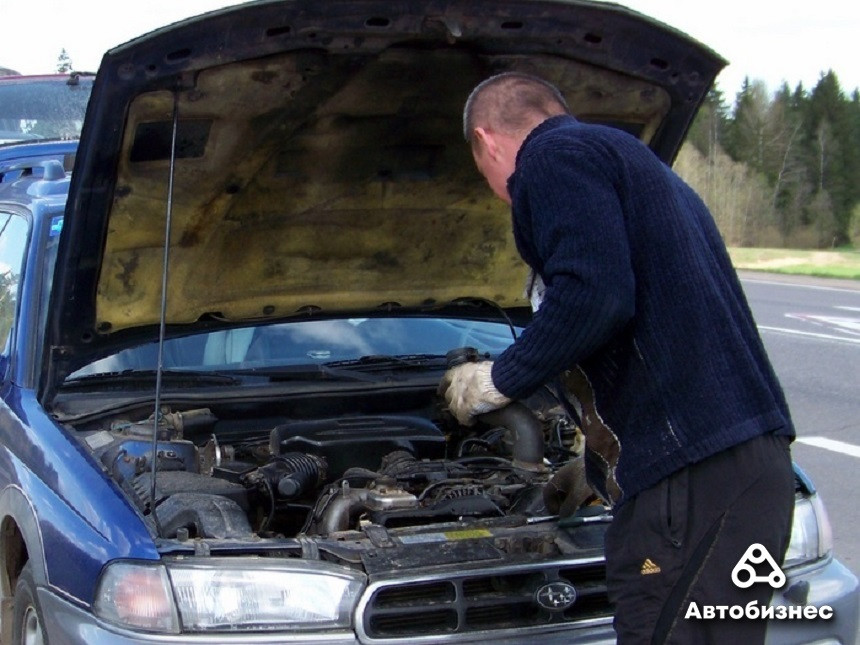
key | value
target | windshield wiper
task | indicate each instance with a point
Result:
(345, 370)
(398, 361)
(175, 378)
(303, 372)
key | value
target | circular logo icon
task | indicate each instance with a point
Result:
(744, 574)
(555, 596)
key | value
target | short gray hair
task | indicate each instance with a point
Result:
(508, 102)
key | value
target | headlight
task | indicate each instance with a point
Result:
(811, 537)
(230, 594)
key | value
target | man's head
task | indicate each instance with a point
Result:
(499, 114)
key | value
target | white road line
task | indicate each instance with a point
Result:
(850, 326)
(844, 308)
(831, 444)
(797, 332)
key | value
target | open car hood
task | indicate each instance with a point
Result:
(319, 163)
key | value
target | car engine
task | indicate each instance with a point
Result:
(327, 475)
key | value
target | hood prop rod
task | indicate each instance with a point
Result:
(163, 316)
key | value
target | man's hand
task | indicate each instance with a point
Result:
(469, 391)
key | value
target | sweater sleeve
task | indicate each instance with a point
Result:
(569, 215)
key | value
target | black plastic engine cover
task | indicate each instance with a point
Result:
(207, 507)
(203, 516)
(359, 441)
(172, 482)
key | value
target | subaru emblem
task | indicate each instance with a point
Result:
(555, 596)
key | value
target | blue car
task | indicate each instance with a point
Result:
(225, 323)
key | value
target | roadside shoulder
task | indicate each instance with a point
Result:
(813, 281)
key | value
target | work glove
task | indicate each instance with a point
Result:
(469, 391)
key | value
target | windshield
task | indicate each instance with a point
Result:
(309, 343)
(43, 107)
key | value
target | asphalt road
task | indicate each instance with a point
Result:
(811, 329)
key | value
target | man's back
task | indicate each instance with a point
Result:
(686, 375)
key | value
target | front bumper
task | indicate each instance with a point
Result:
(830, 583)
(68, 624)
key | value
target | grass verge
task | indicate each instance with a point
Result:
(838, 263)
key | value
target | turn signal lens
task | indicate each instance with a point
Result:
(137, 596)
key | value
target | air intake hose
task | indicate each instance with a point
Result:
(524, 429)
(293, 474)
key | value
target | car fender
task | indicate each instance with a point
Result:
(16, 507)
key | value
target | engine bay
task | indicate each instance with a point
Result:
(235, 473)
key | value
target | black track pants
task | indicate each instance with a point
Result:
(678, 542)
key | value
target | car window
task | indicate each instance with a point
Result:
(13, 238)
(310, 342)
(48, 107)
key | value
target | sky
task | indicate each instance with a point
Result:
(791, 41)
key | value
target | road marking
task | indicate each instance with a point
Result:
(844, 308)
(831, 444)
(841, 323)
(797, 332)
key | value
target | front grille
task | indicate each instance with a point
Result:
(466, 602)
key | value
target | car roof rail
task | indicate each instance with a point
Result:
(52, 170)
(54, 180)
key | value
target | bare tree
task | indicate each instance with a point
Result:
(737, 197)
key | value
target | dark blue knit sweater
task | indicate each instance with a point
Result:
(642, 296)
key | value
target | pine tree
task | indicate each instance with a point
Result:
(64, 63)
(747, 135)
(832, 159)
(710, 125)
(853, 163)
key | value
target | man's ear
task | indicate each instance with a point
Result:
(487, 139)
